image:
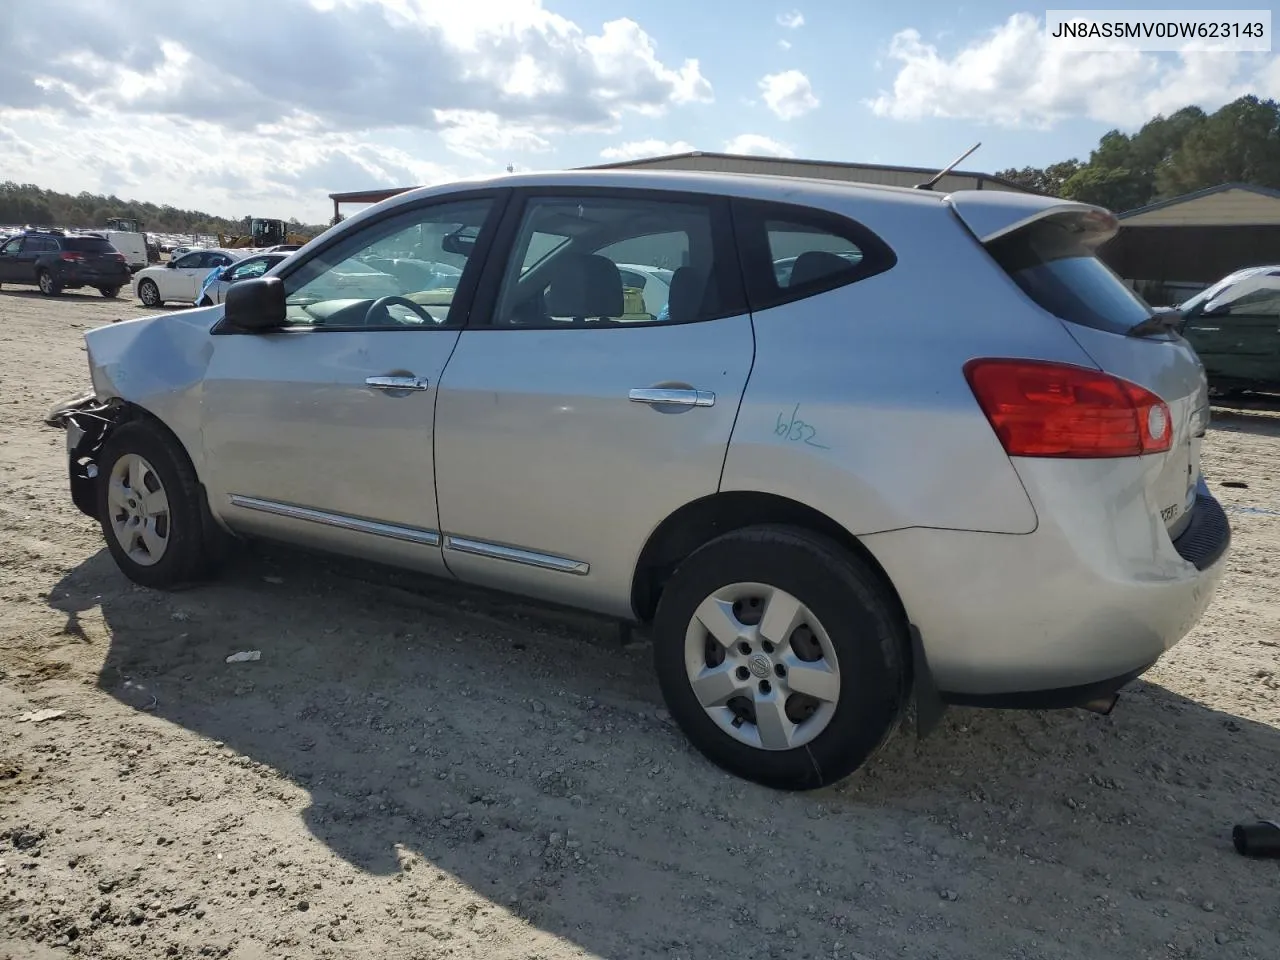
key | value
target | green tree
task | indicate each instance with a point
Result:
(1239, 143)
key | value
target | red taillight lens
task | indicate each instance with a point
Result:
(117, 256)
(72, 255)
(1041, 409)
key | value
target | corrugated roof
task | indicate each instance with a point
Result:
(1199, 194)
(887, 168)
(374, 196)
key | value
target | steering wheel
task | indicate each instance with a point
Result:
(383, 302)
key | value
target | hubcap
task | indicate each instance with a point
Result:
(139, 510)
(762, 666)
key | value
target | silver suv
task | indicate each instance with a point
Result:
(944, 454)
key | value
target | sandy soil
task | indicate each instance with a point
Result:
(413, 771)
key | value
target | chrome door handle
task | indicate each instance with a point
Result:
(683, 398)
(396, 383)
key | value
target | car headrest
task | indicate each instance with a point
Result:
(815, 265)
(585, 285)
(688, 287)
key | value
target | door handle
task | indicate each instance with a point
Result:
(683, 398)
(396, 383)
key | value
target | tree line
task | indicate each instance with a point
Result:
(1185, 151)
(26, 203)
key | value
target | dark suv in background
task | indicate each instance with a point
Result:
(55, 261)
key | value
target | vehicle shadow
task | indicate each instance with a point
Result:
(1256, 414)
(33, 294)
(525, 753)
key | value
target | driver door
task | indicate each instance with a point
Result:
(182, 280)
(321, 433)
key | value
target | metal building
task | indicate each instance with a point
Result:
(735, 163)
(1175, 247)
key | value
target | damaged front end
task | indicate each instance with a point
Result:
(87, 421)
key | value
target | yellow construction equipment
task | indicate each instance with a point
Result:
(262, 232)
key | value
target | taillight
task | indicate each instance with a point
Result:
(1042, 409)
(72, 255)
(116, 256)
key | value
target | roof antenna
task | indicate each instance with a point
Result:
(930, 184)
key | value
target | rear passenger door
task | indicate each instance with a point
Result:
(571, 422)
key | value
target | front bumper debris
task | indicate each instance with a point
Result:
(87, 420)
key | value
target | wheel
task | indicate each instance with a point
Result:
(781, 656)
(48, 286)
(109, 292)
(149, 294)
(152, 511)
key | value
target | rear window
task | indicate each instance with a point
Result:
(88, 245)
(1053, 261)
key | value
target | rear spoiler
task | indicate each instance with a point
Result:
(992, 214)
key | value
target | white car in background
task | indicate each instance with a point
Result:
(180, 279)
(653, 282)
(215, 291)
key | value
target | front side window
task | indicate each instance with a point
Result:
(404, 271)
(11, 248)
(252, 268)
(190, 261)
(605, 261)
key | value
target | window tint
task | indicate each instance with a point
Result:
(1053, 263)
(12, 247)
(418, 256)
(605, 261)
(217, 260)
(189, 260)
(88, 245)
(41, 245)
(792, 252)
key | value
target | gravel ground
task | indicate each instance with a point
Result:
(412, 770)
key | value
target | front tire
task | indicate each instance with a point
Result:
(149, 294)
(781, 656)
(152, 511)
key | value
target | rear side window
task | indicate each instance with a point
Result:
(792, 252)
(88, 245)
(1053, 262)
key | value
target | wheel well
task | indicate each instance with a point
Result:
(703, 520)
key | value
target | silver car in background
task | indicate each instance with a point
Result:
(946, 456)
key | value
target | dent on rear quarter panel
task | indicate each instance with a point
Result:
(857, 403)
(157, 363)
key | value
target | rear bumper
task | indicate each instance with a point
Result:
(1060, 616)
(88, 277)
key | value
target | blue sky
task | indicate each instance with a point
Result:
(264, 107)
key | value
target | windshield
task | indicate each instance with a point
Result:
(1209, 293)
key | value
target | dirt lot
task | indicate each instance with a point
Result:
(412, 771)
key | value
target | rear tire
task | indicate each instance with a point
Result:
(48, 286)
(152, 510)
(822, 689)
(109, 292)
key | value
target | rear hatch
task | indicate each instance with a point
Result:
(1049, 249)
(96, 254)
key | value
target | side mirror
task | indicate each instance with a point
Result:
(171, 264)
(256, 304)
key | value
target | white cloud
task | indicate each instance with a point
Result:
(636, 149)
(757, 145)
(1012, 77)
(784, 44)
(315, 89)
(788, 94)
(792, 20)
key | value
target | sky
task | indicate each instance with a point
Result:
(264, 107)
